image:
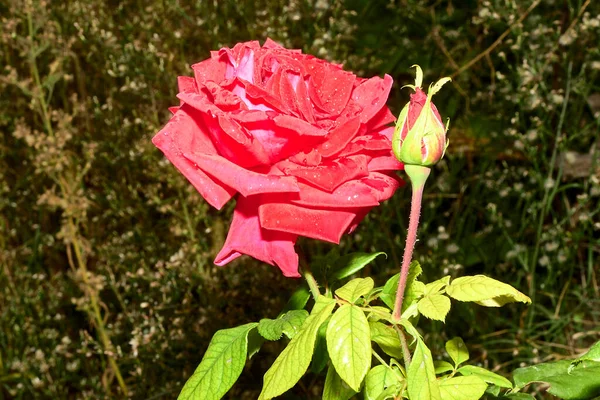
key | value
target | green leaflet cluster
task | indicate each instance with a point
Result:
(350, 331)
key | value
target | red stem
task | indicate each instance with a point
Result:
(411, 238)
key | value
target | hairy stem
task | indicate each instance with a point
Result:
(418, 175)
(312, 282)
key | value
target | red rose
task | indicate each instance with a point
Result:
(305, 144)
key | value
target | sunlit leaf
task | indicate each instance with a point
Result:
(288, 323)
(378, 379)
(434, 306)
(436, 286)
(462, 388)
(354, 289)
(335, 388)
(349, 344)
(221, 365)
(484, 291)
(422, 384)
(294, 360)
(442, 367)
(387, 338)
(377, 313)
(488, 376)
(457, 350)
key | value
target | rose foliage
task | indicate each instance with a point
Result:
(303, 145)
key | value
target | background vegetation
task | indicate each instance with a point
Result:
(106, 276)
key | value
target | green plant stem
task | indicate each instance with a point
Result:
(404, 343)
(418, 176)
(312, 282)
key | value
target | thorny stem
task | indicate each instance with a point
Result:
(97, 315)
(418, 175)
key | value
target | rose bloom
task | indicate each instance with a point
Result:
(303, 146)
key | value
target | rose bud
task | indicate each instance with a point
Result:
(420, 134)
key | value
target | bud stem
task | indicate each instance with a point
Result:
(418, 176)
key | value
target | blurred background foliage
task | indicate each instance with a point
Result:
(107, 285)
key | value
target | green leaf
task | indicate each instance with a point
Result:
(376, 313)
(436, 287)
(293, 361)
(434, 306)
(410, 329)
(414, 288)
(349, 344)
(593, 354)
(493, 390)
(255, 342)
(462, 388)
(488, 376)
(351, 264)
(422, 384)
(518, 396)
(378, 379)
(288, 323)
(298, 300)
(335, 388)
(442, 367)
(581, 382)
(221, 365)
(321, 355)
(457, 350)
(387, 338)
(484, 291)
(354, 289)
(390, 392)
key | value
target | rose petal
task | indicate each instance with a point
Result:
(186, 84)
(385, 163)
(372, 144)
(278, 143)
(381, 119)
(329, 86)
(371, 95)
(384, 185)
(352, 194)
(360, 215)
(304, 104)
(339, 137)
(298, 126)
(328, 225)
(329, 174)
(247, 237)
(244, 181)
(212, 69)
(271, 44)
(184, 133)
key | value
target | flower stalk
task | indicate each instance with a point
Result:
(418, 176)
